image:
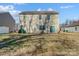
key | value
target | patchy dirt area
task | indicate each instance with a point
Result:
(62, 44)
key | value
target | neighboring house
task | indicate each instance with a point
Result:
(6, 20)
(4, 29)
(74, 27)
(36, 21)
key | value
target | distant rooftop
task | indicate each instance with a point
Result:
(39, 12)
(74, 23)
(4, 13)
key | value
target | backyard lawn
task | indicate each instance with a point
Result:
(61, 44)
(3, 37)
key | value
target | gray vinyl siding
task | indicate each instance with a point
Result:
(7, 20)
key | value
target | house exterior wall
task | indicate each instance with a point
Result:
(55, 22)
(7, 20)
(4, 29)
(31, 22)
(72, 29)
(77, 28)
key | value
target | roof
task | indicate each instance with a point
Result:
(72, 25)
(5, 16)
(39, 12)
(3, 12)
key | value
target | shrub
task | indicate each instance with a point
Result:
(65, 31)
(21, 30)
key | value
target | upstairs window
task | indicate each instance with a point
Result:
(24, 17)
(48, 17)
(40, 17)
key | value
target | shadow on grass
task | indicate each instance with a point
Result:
(12, 41)
(15, 40)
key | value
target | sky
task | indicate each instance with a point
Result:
(67, 11)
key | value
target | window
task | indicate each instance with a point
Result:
(24, 17)
(40, 17)
(42, 27)
(76, 28)
(48, 17)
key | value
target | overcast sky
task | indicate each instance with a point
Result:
(66, 11)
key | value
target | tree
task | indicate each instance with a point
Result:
(67, 22)
(21, 30)
(71, 21)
